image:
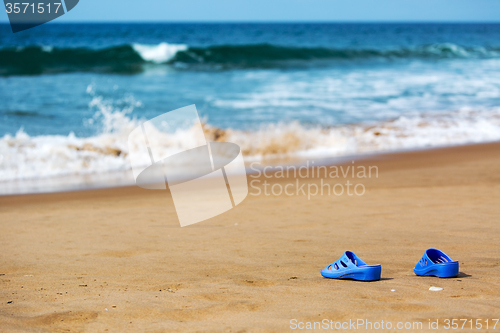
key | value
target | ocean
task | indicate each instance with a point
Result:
(71, 93)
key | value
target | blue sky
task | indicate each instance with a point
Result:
(283, 10)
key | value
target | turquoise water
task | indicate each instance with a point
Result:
(277, 89)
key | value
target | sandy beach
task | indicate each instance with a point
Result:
(117, 260)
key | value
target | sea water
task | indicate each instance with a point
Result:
(71, 93)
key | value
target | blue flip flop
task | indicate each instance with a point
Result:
(436, 263)
(350, 266)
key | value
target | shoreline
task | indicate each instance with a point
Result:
(101, 181)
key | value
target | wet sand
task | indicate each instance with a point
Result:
(117, 260)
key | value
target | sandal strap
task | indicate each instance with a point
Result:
(344, 262)
(439, 257)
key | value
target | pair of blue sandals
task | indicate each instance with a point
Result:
(433, 263)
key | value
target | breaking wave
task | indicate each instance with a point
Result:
(36, 157)
(131, 59)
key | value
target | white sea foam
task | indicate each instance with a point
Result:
(25, 157)
(32, 157)
(159, 53)
(402, 133)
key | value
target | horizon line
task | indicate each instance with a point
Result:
(270, 22)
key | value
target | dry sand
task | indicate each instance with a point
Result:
(116, 259)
